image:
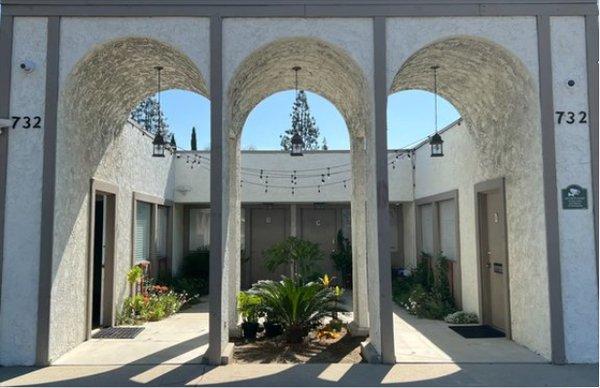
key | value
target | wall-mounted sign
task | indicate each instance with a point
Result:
(574, 197)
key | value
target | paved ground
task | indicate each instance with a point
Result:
(447, 374)
(169, 352)
(180, 339)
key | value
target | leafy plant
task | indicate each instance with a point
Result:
(301, 255)
(342, 258)
(423, 274)
(461, 318)
(159, 303)
(135, 274)
(249, 306)
(298, 307)
(425, 293)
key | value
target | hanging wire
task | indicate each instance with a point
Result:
(435, 96)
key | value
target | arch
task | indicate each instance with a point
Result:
(492, 89)
(94, 104)
(498, 100)
(326, 70)
(330, 72)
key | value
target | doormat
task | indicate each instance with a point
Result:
(118, 333)
(484, 331)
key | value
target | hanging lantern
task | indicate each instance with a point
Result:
(437, 145)
(158, 144)
(297, 145)
(435, 142)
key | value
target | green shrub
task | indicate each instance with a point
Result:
(298, 307)
(194, 287)
(250, 306)
(196, 264)
(423, 274)
(135, 274)
(301, 255)
(342, 259)
(151, 307)
(425, 294)
(462, 318)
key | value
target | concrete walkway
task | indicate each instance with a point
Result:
(179, 339)
(169, 352)
(447, 374)
(428, 341)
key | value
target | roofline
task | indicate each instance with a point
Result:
(298, 8)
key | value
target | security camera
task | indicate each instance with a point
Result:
(27, 66)
(5, 123)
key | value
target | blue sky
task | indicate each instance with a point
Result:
(410, 119)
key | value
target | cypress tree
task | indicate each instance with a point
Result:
(173, 143)
(303, 123)
(194, 142)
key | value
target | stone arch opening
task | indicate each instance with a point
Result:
(330, 72)
(498, 100)
(95, 102)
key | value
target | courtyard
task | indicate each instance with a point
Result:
(445, 232)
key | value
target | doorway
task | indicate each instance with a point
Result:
(319, 226)
(268, 227)
(493, 255)
(101, 309)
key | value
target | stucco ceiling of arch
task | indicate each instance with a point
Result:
(492, 90)
(110, 81)
(326, 70)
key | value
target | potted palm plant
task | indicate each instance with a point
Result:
(298, 307)
(249, 307)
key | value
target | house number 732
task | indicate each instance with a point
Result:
(571, 117)
(26, 122)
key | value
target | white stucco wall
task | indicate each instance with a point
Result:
(128, 164)
(576, 227)
(193, 179)
(23, 198)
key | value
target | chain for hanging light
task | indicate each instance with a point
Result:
(436, 143)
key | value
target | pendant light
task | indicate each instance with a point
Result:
(297, 143)
(436, 142)
(158, 144)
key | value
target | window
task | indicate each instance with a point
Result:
(162, 225)
(143, 231)
(199, 228)
(426, 217)
(447, 221)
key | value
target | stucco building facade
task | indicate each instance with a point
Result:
(508, 67)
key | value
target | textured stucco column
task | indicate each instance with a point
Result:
(233, 253)
(219, 350)
(380, 346)
(360, 324)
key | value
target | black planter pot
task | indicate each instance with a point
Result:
(273, 329)
(250, 329)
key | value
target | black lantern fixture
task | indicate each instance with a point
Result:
(158, 144)
(297, 143)
(436, 142)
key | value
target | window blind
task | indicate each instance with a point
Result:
(142, 231)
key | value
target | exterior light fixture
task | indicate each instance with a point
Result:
(297, 143)
(435, 142)
(158, 144)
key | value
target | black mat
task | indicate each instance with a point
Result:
(484, 331)
(118, 332)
